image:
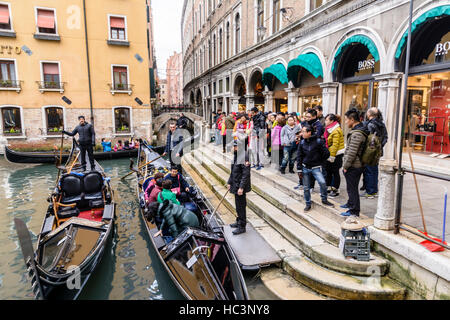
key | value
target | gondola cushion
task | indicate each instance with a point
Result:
(71, 185)
(92, 182)
(66, 213)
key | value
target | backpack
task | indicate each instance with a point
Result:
(372, 150)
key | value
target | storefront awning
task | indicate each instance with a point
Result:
(433, 13)
(356, 39)
(276, 70)
(308, 61)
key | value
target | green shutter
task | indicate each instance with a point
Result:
(356, 39)
(152, 84)
(433, 13)
(309, 61)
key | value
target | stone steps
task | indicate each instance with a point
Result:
(277, 227)
(309, 232)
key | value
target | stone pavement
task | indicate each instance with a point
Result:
(431, 192)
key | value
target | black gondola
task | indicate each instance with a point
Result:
(199, 261)
(77, 226)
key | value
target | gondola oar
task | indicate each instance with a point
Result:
(28, 256)
(145, 164)
(214, 212)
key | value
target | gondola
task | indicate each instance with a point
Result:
(76, 229)
(199, 261)
(49, 157)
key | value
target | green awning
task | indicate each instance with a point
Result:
(356, 39)
(276, 70)
(433, 13)
(309, 61)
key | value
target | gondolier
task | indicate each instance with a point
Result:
(86, 141)
(239, 184)
(174, 146)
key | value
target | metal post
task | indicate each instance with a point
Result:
(400, 173)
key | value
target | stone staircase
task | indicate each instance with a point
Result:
(307, 243)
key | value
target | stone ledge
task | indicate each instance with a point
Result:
(431, 261)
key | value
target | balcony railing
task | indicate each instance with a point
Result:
(51, 86)
(11, 85)
(121, 88)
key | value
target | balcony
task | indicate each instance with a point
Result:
(121, 88)
(51, 86)
(11, 85)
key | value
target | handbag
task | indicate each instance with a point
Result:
(177, 191)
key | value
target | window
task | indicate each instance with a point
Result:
(220, 45)
(276, 15)
(227, 84)
(314, 4)
(220, 86)
(214, 88)
(54, 117)
(117, 28)
(46, 21)
(50, 75)
(8, 74)
(238, 33)
(11, 119)
(5, 21)
(120, 78)
(122, 120)
(228, 41)
(215, 49)
(260, 18)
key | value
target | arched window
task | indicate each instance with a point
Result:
(122, 120)
(54, 119)
(220, 45)
(238, 33)
(228, 41)
(276, 15)
(260, 18)
(215, 49)
(11, 120)
(209, 54)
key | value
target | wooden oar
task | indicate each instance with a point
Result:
(214, 212)
(145, 164)
(417, 187)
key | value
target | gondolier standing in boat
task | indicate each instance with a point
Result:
(86, 141)
(239, 184)
(174, 145)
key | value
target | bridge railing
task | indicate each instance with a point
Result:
(178, 108)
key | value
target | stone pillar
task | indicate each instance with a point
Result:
(250, 101)
(329, 97)
(292, 99)
(268, 103)
(234, 104)
(388, 92)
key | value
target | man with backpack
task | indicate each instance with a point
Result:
(377, 139)
(353, 164)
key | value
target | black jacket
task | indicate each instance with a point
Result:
(311, 152)
(182, 122)
(176, 218)
(240, 177)
(377, 126)
(259, 122)
(175, 180)
(318, 128)
(86, 133)
(177, 145)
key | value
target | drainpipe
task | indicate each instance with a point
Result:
(88, 63)
(400, 172)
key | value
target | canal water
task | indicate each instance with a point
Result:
(130, 269)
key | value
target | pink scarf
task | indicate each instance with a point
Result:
(326, 133)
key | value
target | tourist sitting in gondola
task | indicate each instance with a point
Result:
(118, 146)
(106, 145)
(157, 189)
(179, 184)
(150, 184)
(166, 193)
(173, 218)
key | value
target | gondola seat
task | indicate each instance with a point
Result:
(82, 189)
(93, 186)
(71, 189)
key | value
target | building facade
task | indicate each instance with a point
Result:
(175, 79)
(164, 97)
(61, 59)
(283, 55)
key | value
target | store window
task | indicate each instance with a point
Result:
(5, 21)
(117, 28)
(46, 21)
(122, 120)
(11, 120)
(54, 117)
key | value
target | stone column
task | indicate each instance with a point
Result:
(292, 99)
(268, 103)
(329, 97)
(388, 92)
(250, 101)
(234, 104)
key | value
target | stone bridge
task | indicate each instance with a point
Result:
(161, 127)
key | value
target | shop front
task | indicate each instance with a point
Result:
(306, 73)
(355, 64)
(427, 122)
